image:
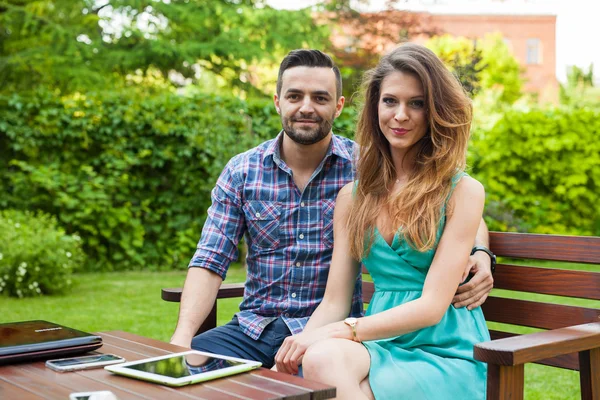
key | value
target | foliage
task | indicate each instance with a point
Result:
(76, 44)
(464, 59)
(131, 171)
(359, 38)
(541, 170)
(481, 64)
(36, 256)
(579, 90)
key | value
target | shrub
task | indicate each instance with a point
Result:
(541, 171)
(36, 256)
(130, 171)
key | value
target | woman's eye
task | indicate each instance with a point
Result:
(388, 100)
(417, 103)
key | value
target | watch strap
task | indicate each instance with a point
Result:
(489, 253)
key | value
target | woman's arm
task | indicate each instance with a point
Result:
(474, 293)
(343, 270)
(444, 274)
(337, 300)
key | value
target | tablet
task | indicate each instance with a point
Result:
(179, 369)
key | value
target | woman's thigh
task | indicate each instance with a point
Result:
(337, 356)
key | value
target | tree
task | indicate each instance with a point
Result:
(74, 44)
(481, 64)
(360, 38)
(579, 90)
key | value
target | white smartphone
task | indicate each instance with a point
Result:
(100, 395)
(84, 362)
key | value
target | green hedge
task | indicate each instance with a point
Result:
(130, 171)
(36, 256)
(541, 171)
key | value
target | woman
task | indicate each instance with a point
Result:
(411, 219)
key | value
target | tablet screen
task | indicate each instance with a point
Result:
(180, 366)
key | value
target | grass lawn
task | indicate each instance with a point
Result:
(130, 301)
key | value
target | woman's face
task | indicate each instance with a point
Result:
(401, 107)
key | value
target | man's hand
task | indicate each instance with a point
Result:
(290, 354)
(475, 292)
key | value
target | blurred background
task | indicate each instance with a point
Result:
(117, 116)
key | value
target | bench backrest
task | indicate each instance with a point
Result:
(515, 279)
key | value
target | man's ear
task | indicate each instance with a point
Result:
(276, 102)
(339, 106)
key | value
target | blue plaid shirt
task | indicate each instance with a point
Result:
(289, 233)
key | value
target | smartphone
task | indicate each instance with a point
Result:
(84, 362)
(101, 395)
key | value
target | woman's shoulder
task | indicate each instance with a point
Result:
(468, 187)
(348, 189)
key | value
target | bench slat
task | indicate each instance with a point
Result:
(536, 315)
(368, 288)
(226, 291)
(546, 247)
(581, 284)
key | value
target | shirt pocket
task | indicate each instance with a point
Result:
(263, 220)
(327, 208)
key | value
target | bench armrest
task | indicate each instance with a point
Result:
(538, 346)
(226, 291)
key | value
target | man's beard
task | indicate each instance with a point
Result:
(310, 134)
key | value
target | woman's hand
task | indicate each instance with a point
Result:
(292, 350)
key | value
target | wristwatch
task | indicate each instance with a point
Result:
(351, 322)
(489, 253)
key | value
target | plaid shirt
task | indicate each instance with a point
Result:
(289, 233)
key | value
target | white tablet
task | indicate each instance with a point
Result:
(179, 369)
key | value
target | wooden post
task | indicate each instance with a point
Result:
(589, 374)
(210, 321)
(505, 382)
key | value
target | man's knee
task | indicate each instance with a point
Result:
(217, 340)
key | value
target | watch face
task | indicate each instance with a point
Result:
(350, 321)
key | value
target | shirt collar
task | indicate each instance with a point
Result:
(336, 147)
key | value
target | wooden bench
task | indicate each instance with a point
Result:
(571, 336)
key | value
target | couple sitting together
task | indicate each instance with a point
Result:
(404, 208)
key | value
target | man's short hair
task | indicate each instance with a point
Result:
(309, 58)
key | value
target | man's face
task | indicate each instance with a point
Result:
(307, 103)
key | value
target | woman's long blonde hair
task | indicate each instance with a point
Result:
(440, 154)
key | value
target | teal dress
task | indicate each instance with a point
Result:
(432, 363)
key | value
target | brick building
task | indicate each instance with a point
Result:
(531, 38)
(527, 29)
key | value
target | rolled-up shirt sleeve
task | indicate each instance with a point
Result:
(224, 225)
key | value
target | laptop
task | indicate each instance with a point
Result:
(33, 340)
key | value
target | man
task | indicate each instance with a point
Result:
(281, 195)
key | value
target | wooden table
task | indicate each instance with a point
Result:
(35, 381)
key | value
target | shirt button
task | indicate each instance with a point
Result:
(257, 215)
(301, 236)
(294, 295)
(298, 264)
(302, 204)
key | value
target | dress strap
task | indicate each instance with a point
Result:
(455, 179)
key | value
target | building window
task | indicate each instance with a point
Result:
(534, 51)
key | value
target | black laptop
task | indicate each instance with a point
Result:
(33, 340)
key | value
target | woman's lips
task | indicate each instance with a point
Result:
(400, 131)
